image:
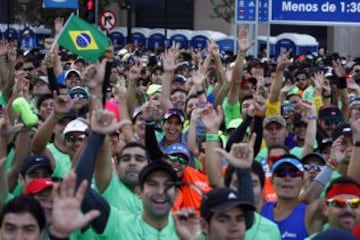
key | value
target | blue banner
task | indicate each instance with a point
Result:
(316, 12)
(246, 10)
(74, 4)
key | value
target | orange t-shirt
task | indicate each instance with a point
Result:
(188, 195)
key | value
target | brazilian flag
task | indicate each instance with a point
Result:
(83, 39)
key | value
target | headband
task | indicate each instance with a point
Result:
(343, 188)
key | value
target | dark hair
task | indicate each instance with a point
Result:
(178, 90)
(282, 146)
(134, 145)
(342, 180)
(25, 204)
(256, 168)
(42, 98)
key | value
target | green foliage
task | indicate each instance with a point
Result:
(223, 9)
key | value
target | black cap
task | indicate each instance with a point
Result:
(341, 129)
(175, 112)
(223, 199)
(330, 112)
(313, 155)
(157, 166)
(32, 162)
(335, 234)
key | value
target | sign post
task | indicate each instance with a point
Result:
(107, 20)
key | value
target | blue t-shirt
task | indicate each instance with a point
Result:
(291, 228)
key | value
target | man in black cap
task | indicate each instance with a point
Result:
(36, 166)
(329, 117)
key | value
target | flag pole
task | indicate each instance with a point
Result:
(57, 36)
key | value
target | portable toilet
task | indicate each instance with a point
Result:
(298, 43)
(199, 39)
(262, 43)
(118, 37)
(227, 44)
(180, 36)
(11, 34)
(156, 38)
(139, 36)
(40, 34)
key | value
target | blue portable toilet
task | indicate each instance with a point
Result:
(40, 34)
(139, 36)
(262, 43)
(156, 38)
(181, 37)
(298, 43)
(118, 37)
(199, 40)
(227, 44)
(11, 34)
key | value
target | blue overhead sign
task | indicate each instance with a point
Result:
(246, 11)
(315, 12)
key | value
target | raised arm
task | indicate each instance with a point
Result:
(212, 119)
(275, 88)
(342, 88)
(310, 135)
(191, 136)
(354, 165)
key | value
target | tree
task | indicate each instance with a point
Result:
(223, 9)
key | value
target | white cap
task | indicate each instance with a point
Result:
(122, 51)
(72, 70)
(76, 125)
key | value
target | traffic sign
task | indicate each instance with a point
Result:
(107, 20)
(246, 11)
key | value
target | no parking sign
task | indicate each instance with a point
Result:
(108, 20)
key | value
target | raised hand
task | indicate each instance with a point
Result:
(66, 213)
(58, 24)
(337, 151)
(308, 106)
(103, 121)
(213, 48)
(212, 118)
(187, 224)
(338, 68)
(198, 76)
(94, 77)
(241, 155)
(4, 45)
(244, 43)
(283, 60)
(62, 103)
(6, 128)
(148, 110)
(169, 58)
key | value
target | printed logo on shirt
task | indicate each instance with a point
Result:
(232, 196)
(287, 234)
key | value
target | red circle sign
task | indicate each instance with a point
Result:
(107, 20)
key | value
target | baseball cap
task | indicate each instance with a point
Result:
(76, 125)
(180, 79)
(157, 166)
(44, 79)
(292, 160)
(341, 129)
(32, 162)
(38, 185)
(222, 199)
(335, 234)
(274, 118)
(330, 112)
(78, 92)
(178, 148)
(153, 88)
(313, 155)
(136, 113)
(72, 71)
(174, 112)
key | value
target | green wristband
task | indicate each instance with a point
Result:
(210, 137)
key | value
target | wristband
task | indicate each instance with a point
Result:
(341, 83)
(312, 117)
(325, 175)
(259, 113)
(150, 121)
(211, 137)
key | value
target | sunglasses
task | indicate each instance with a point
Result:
(28, 69)
(357, 71)
(300, 79)
(292, 172)
(342, 202)
(178, 158)
(313, 166)
(78, 96)
(73, 139)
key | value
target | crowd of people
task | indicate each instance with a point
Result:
(178, 144)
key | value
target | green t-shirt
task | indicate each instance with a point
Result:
(120, 197)
(122, 225)
(334, 175)
(230, 111)
(89, 234)
(62, 161)
(263, 229)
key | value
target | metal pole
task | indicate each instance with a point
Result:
(256, 30)
(235, 27)
(129, 22)
(96, 12)
(166, 21)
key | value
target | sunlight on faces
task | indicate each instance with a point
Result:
(225, 225)
(345, 218)
(131, 162)
(274, 134)
(158, 194)
(178, 99)
(20, 226)
(172, 128)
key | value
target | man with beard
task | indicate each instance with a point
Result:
(342, 204)
(119, 189)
